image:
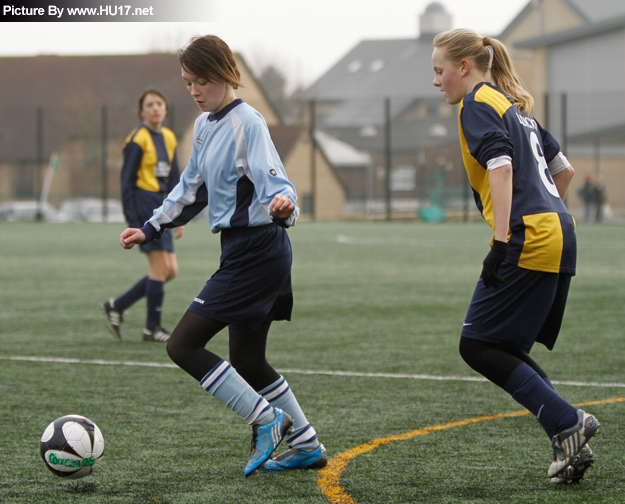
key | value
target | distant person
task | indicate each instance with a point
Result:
(587, 194)
(235, 170)
(149, 173)
(599, 198)
(519, 178)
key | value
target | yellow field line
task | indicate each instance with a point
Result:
(329, 478)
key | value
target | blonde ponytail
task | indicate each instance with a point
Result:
(489, 56)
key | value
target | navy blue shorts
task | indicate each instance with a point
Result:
(527, 308)
(143, 205)
(253, 283)
(165, 242)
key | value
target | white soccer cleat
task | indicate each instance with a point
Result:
(575, 472)
(567, 445)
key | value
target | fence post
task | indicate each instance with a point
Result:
(313, 156)
(103, 162)
(387, 151)
(38, 162)
(564, 121)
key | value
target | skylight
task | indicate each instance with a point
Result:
(376, 66)
(354, 66)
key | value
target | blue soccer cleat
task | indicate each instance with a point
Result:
(266, 438)
(298, 459)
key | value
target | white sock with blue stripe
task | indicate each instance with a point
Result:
(279, 395)
(224, 383)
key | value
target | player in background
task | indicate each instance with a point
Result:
(519, 179)
(149, 173)
(235, 170)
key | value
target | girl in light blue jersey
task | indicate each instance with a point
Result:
(519, 179)
(234, 169)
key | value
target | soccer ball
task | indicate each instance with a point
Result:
(72, 446)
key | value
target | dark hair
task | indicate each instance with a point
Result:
(153, 91)
(210, 57)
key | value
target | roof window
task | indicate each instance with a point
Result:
(354, 66)
(376, 66)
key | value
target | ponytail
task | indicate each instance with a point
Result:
(489, 56)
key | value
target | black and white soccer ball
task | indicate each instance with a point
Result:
(72, 446)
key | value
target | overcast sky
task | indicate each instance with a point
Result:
(302, 38)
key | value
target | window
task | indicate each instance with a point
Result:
(403, 178)
(354, 66)
(376, 66)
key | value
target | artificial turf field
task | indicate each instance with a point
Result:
(374, 303)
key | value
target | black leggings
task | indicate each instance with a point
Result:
(247, 350)
(495, 362)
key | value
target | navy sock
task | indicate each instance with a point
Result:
(131, 296)
(531, 391)
(154, 292)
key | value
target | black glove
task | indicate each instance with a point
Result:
(498, 252)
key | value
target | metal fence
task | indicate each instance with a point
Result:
(390, 157)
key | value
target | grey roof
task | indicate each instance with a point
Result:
(72, 90)
(340, 153)
(399, 67)
(598, 10)
(607, 135)
(574, 33)
(366, 112)
(590, 11)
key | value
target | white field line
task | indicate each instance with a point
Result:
(301, 371)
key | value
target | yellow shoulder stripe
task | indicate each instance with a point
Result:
(494, 98)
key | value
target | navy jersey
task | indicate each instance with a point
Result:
(542, 231)
(149, 172)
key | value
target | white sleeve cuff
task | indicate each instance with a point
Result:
(498, 162)
(558, 164)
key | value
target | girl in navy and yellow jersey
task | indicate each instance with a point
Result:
(149, 173)
(519, 179)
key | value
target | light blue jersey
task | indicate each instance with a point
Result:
(233, 168)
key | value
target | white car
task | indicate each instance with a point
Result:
(90, 210)
(13, 211)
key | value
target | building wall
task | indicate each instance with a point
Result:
(591, 64)
(555, 16)
(252, 94)
(5, 181)
(613, 172)
(329, 194)
(533, 65)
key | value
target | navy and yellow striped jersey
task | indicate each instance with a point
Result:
(149, 172)
(542, 231)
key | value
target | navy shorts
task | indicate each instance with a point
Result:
(143, 205)
(165, 242)
(527, 308)
(253, 283)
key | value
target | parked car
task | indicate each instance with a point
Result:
(90, 210)
(13, 211)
